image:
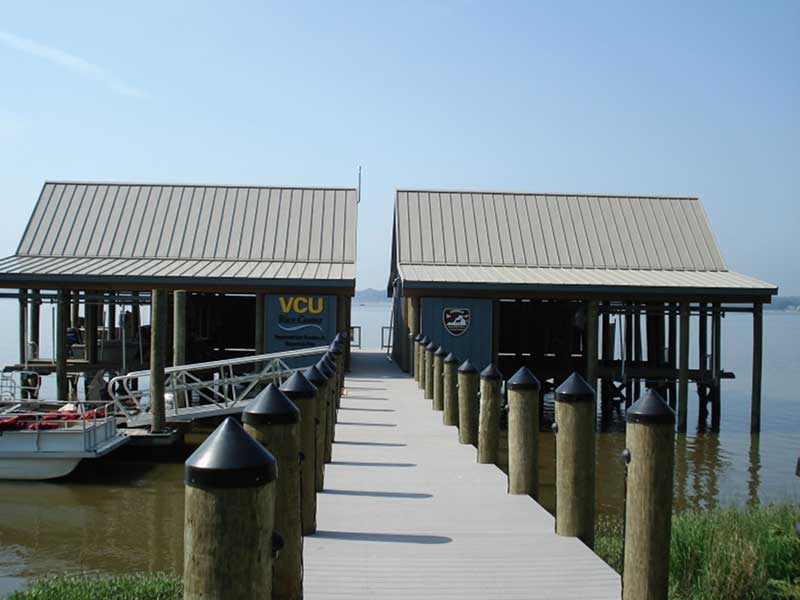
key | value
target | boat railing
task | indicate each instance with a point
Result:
(223, 383)
(30, 383)
(95, 421)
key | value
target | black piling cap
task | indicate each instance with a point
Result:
(650, 409)
(329, 359)
(440, 352)
(450, 359)
(298, 386)
(324, 368)
(424, 341)
(271, 407)
(230, 458)
(574, 389)
(313, 374)
(491, 372)
(523, 379)
(467, 367)
(336, 348)
(418, 338)
(340, 337)
(431, 347)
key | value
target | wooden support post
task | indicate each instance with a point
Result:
(413, 332)
(637, 345)
(179, 337)
(702, 347)
(158, 351)
(672, 351)
(438, 378)
(260, 332)
(274, 421)
(650, 440)
(62, 321)
(318, 380)
(591, 343)
(337, 351)
(430, 349)
(575, 457)
(758, 339)
(423, 345)
(348, 323)
(23, 326)
(416, 371)
(489, 418)
(467, 404)
(716, 349)
(450, 416)
(330, 406)
(36, 304)
(606, 353)
(403, 336)
(628, 357)
(229, 517)
(90, 330)
(75, 306)
(112, 316)
(303, 394)
(683, 369)
(523, 433)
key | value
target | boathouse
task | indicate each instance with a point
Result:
(243, 269)
(607, 285)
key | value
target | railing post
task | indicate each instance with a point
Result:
(430, 349)
(450, 416)
(438, 378)
(274, 421)
(229, 517)
(575, 419)
(467, 404)
(319, 381)
(423, 344)
(303, 394)
(325, 370)
(489, 418)
(650, 440)
(523, 433)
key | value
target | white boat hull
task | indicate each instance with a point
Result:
(38, 468)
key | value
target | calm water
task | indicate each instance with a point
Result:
(119, 516)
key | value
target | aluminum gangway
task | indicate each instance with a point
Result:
(203, 390)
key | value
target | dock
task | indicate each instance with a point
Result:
(408, 513)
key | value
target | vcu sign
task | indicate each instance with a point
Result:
(299, 321)
(302, 304)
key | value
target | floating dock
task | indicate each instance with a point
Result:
(408, 513)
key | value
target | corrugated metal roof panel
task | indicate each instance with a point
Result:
(559, 240)
(554, 231)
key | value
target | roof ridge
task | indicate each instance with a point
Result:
(200, 185)
(549, 194)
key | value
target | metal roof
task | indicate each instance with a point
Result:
(160, 233)
(559, 241)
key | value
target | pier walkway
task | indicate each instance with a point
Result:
(408, 513)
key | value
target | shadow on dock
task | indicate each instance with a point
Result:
(375, 494)
(397, 538)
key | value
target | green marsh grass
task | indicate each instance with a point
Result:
(91, 586)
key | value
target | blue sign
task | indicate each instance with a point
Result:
(462, 326)
(299, 321)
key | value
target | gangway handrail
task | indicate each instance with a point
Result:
(215, 382)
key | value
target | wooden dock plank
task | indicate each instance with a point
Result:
(408, 513)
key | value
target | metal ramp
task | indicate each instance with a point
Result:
(203, 390)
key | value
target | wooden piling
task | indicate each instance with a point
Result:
(416, 346)
(575, 408)
(36, 304)
(23, 326)
(438, 378)
(523, 433)
(179, 337)
(758, 341)
(303, 394)
(229, 517)
(274, 421)
(413, 329)
(74, 311)
(489, 417)
(319, 381)
(650, 443)
(591, 343)
(683, 369)
(112, 316)
(260, 317)
(158, 351)
(430, 349)
(329, 375)
(468, 404)
(423, 344)
(62, 321)
(450, 416)
(716, 350)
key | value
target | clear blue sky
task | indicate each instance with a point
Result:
(669, 98)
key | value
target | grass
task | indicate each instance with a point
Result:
(89, 586)
(727, 554)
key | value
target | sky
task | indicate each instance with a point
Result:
(676, 98)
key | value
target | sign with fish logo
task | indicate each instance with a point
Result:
(456, 320)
